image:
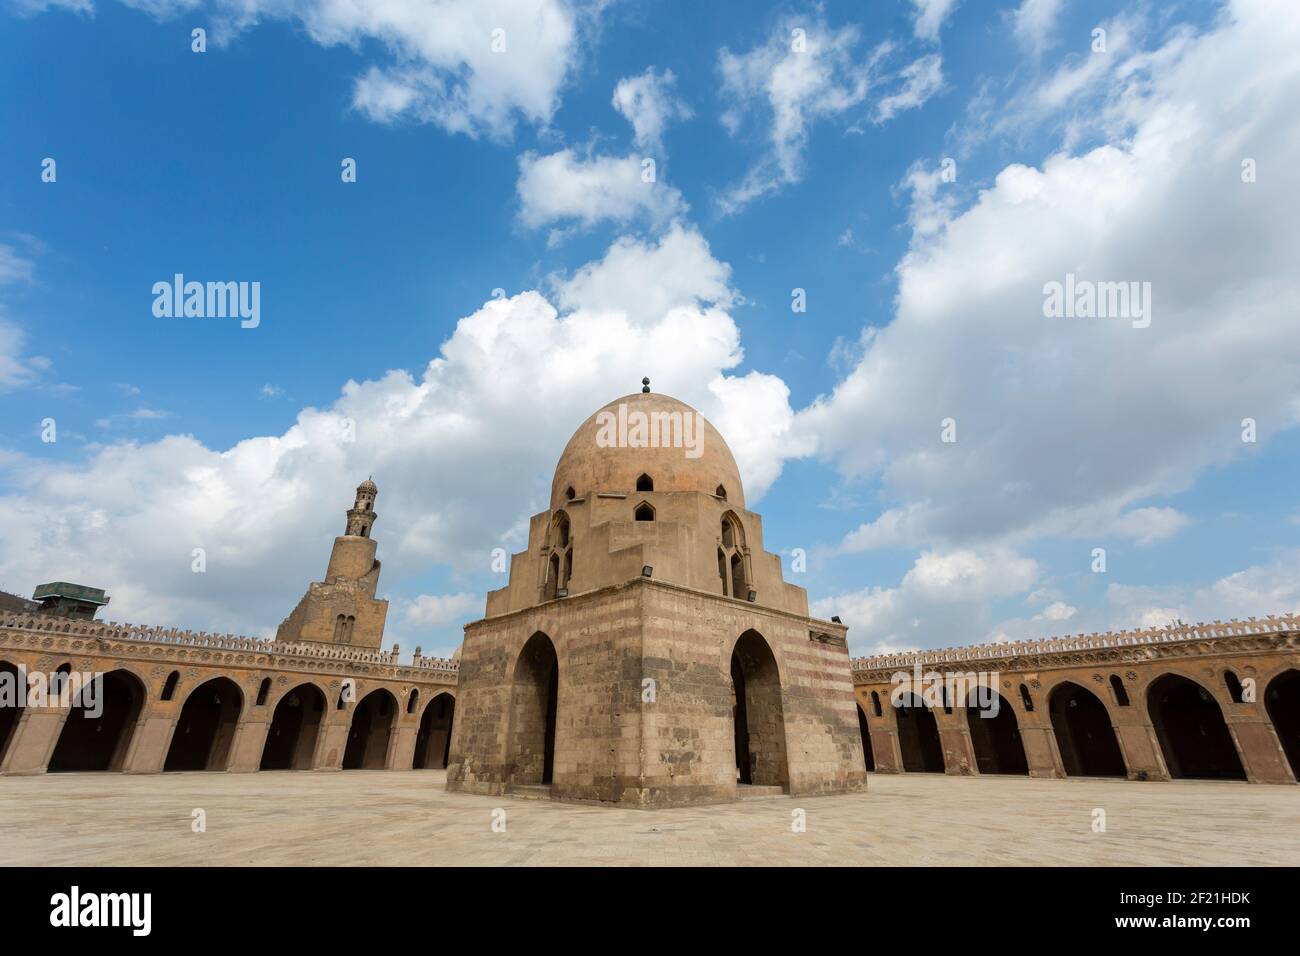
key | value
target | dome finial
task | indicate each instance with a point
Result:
(645, 385)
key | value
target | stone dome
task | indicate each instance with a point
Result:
(609, 453)
(367, 486)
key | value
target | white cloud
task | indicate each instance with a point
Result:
(930, 15)
(1149, 525)
(442, 67)
(1056, 611)
(798, 87)
(921, 79)
(563, 187)
(440, 610)
(1033, 21)
(16, 369)
(647, 102)
(462, 453)
(1063, 426)
(941, 601)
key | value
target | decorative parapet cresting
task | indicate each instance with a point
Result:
(1110, 640)
(55, 626)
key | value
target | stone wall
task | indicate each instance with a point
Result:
(263, 669)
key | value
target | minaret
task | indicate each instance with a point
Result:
(343, 608)
(361, 517)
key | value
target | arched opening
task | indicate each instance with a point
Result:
(433, 741)
(1192, 732)
(101, 743)
(12, 697)
(263, 691)
(1117, 688)
(1282, 701)
(295, 726)
(372, 726)
(169, 688)
(918, 735)
(722, 570)
(562, 529)
(644, 512)
(1084, 735)
(413, 701)
(995, 736)
(340, 627)
(569, 493)
(758, 714)
(645, 483)
(728, 533)
(552, 576)
(720, 492)
(875, 703)
(206, 728)
(1025, 699)
(534, 700)
(739, 586)
(1233, 684)
(867, 753)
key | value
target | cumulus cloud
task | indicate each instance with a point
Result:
(648, 102)
(469, 66)
(462, 452)
(943, 600)
(437, 611)
(1065, 425)
(565, 187)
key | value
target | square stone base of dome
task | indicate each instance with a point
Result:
(647, 694)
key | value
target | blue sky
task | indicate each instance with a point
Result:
(776, 169)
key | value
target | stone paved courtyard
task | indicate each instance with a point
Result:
(359, 817)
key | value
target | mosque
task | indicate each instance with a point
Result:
(646, 651)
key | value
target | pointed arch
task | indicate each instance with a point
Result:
(758, 713)
(534, 705)
(1282, 702)
(1193, 735)
(433, 741)
(205, 730)
(295, 729)
(102, 743)
(370, 731)
(995, 735)
(1085, 737)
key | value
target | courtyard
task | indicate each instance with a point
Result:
(409, 819)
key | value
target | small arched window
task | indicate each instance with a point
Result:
(346, 692)
(169, 688)
(569, 493)
(875, 703)
(1117, 687)
(721, 492)
(947, 699)
(411, 704)
(644, 512)
(263, 690)
(645, 483)
(1234, 687)
(1026, 699)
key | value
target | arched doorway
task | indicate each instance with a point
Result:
(372, 726)
(534, 700)
(12, 697)
(758, 716)
(1282, 700)
(918, 735)
(1192, 732)
(433, 742)
(995, 735)
(101, 743)
(1084, 735)
(295, 726)
(206, 728)
(867, 753)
